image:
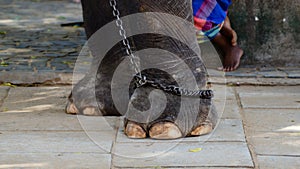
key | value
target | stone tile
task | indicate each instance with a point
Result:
(293, 73)
(225, 154)
(239, 74)
(268, 89)
(53, 120)
(227, 130)
(55, 142)
(230, 93)
(158, 167)
(3, 92)
(222, 92)
(270, 100)
(92, 123)
(278, 162)
(215, 73)
(231, 110)
(288, 68)
(275, 120)
(265, 69)
(40, 77)
(258, 81)
(225, 102)
(278, 144)
(55, 160)
(272, 74)
(229, 107)
(243, 72)
(27, 99)
(219, 106)
(38, 121)
(103, 139)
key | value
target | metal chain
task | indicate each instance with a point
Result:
(122, 32)
(141, 80)
(203, 94)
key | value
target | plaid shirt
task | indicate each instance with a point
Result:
(209, 13)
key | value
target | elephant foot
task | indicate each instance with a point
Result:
(161, 130)
(71, 108)
(164, 130)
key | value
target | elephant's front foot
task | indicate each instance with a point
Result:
(151, 114)
(161, 130)
(164, 130)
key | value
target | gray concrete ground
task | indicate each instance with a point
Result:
(259, 128)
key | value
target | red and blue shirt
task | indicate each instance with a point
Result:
(209, 13)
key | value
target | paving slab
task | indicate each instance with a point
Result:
(31, 99)
(278, 162)
(277, 144)
(224, 154)
(40, 77)
(270, 100)
(216, 73)
(53, 120)
(54, 142)
(230, 93)
(272, 74)
(222, 91)
(293, 73)
(55, 160)
(157, 167)
(268, 89)
(244, 72)
(226, 102)
(242, 75)
(231, 110)
(257, 81)
(226, 131)
(3, 93)
(272, 120)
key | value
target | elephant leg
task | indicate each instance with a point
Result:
(92, 95)
(170, 124)
(82, 100)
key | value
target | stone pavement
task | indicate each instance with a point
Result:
(259, 128)
(32, 42)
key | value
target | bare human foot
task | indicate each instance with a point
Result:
(226, 40)
(232, 54)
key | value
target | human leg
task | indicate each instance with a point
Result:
(231, 54)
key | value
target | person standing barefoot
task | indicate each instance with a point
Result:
(210, 18)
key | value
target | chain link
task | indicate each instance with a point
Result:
(133, 59)
(142, 80)
(203, 94)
